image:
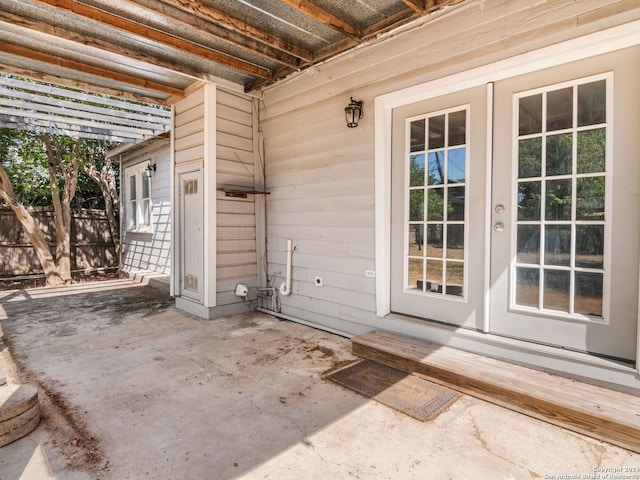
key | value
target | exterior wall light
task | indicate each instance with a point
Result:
(151, 167)
(353, 113)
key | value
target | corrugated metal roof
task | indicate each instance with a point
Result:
(176, 43)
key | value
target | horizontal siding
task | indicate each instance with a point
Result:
(189, 141)
(236, 221)
(321, 174)
(151, 251)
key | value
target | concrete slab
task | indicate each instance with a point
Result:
(133, 388)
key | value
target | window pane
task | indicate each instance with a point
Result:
(556, 290)
(416, 205)
(416, 239)
(558, 198)
(591, 151)
(455, 241)
(592, 102)
(436, 168)
(527, 287)
(455, 278)
(435, 206)
(457, 128)
(416, 170)
(434, 241)
(455, 204)
(559, 154)
(560, 109)
(145, 186)
(436, 132)
(590, 246)
(588, 298)
(557, 245)
(530, 157)
(134, 214)
(528, 244)
(132, 187)
(590, 198)
(415, 279)
(434, 276)
(530, 115)
(417, 135)
(146, 212)
(456, 165)
(529, 201)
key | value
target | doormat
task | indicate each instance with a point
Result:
(411, 395)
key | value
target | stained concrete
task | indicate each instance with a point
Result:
(133, 388)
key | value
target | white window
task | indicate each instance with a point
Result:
(138, 198)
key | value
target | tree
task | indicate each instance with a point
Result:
(29, 225)
(65, 161)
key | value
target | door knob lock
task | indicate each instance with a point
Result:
(499, 208)
(498, 227)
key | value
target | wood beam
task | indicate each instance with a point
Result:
(140, 30)
(415, 5)
(86, 87)
(86, 68)
(211, 14)
(192, 20)
(321, 15)
(130, 53)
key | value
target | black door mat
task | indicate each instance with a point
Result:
(414, 396)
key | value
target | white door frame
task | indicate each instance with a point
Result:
(605, 41)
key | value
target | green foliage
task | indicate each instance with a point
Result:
(24, 158)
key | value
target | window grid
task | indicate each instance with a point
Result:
(545, 180)
(437, 270)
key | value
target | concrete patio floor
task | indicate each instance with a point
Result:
(133, 388)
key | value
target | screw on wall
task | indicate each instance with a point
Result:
(318, 282)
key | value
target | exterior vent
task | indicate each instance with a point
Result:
(191, 187)
(191, 283)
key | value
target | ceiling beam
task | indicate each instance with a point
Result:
(86, 68)
(213, 15)
(81, 39)
(415, 5)
(196, 22)
(140, 30)
(321, 15)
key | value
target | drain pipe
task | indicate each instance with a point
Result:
(285, 287)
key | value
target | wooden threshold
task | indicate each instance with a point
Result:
(597, 412)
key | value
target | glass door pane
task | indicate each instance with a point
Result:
(436, 195)
(560, 200)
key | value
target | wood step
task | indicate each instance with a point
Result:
(597, 412)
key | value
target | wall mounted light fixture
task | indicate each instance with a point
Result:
(151, 167)
(353, 113)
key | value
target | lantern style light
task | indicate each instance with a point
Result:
(353, 113)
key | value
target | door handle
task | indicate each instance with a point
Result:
(498, 227)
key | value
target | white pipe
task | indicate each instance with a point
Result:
(285, 287)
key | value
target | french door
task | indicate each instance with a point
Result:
(555, 260)
(438, 176)
(565, 230)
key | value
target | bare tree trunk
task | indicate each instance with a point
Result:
(31, 230)
(107, 184)
(62, 201)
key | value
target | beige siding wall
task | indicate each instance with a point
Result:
(321, 174)
(150, 251)
(189, 129)
(236, 219)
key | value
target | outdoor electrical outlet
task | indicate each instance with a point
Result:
(319, 282)
(370, 273)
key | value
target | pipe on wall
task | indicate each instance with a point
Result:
(285, 287)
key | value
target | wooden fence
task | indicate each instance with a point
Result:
(91, 244)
